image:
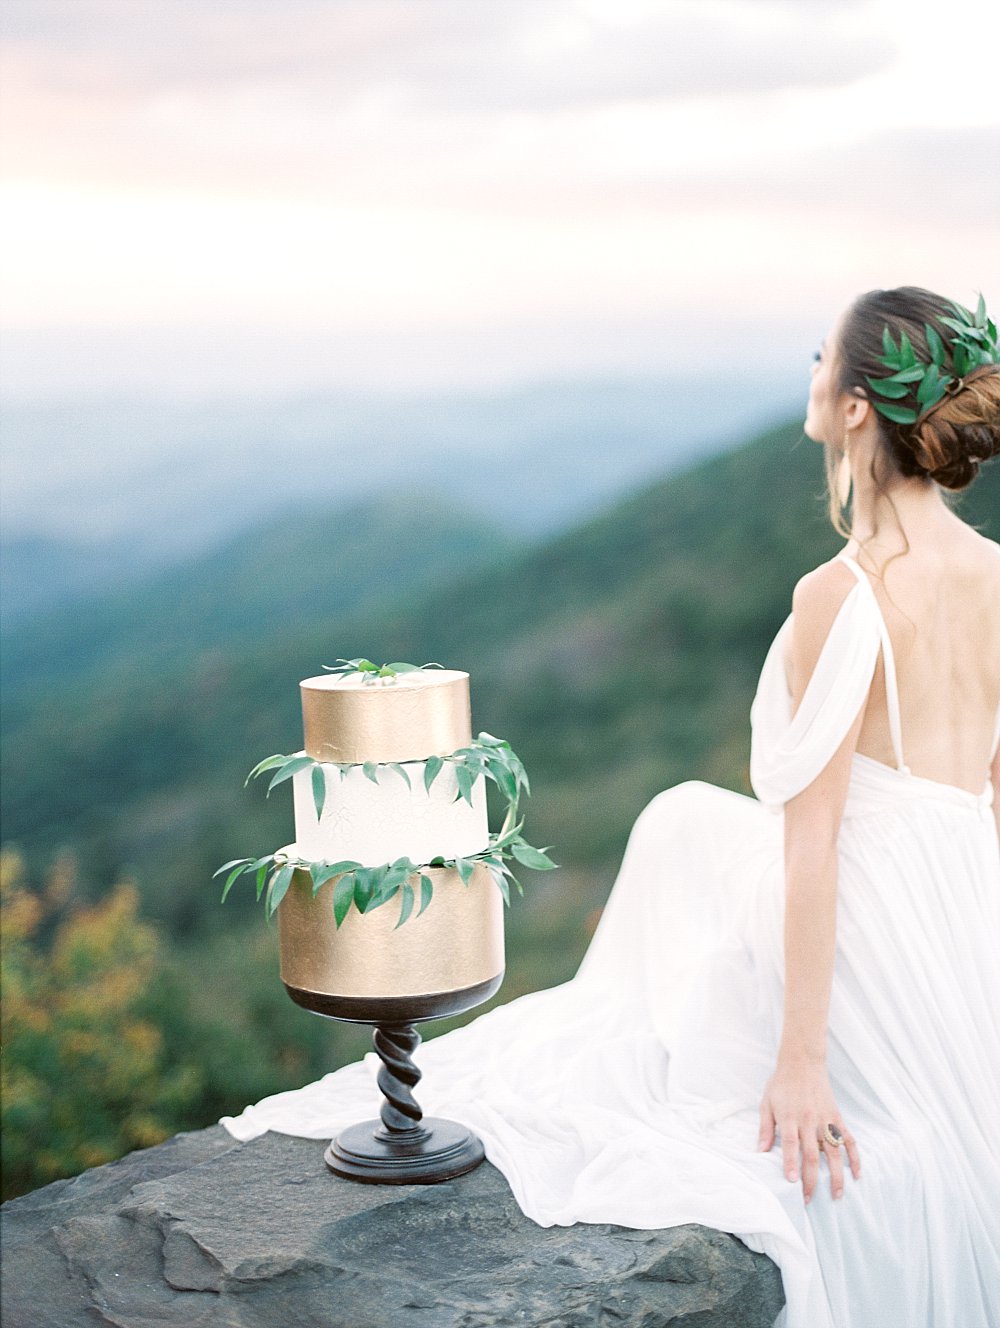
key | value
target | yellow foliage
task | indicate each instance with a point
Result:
(82, 1078)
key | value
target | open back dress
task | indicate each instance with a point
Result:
(631, 1093)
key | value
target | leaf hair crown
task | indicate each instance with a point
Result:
(973, 346)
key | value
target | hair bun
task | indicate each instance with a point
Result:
(953, 439)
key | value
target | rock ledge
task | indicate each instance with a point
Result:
(205, 1232)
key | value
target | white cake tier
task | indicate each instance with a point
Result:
(376, 823)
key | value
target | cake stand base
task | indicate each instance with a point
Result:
(437, 1150)
(402, 1148)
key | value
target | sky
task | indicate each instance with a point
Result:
(235, 196)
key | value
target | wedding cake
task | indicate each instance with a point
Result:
(390, 900)
(375, 787)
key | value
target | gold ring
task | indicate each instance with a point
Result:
(832, 1135)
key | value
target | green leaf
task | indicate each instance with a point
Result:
(406, 907)
(226, 866)
(259, 880)
(888, 345)
(488, 740)
(907, 355)
(898, 414)
(465, 869)
(371, 771)
(268, 763)
(293, 767)
(237, 871)
(911, 375)
(379, 891)
(364, 887)
(322, 872)
(399, 871)
(426, 892)
(935, 345)
(402, 773)
(465, 781)
(319, 790)
(535, 858)
(501, 883)
(404, 668)
(431, 771)
(931, 390)
(961, 359)
(506, 781)
(981, 312)
(343, 897)
(382, 896)
(889, 387)
(278, 887)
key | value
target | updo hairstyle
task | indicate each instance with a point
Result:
(948, 442)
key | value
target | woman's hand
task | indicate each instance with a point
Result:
(798, 1101)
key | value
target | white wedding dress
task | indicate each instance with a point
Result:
(630, 1094)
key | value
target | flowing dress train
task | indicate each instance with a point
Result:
(630, 1094)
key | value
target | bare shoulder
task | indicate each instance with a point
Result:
(989, 551)
(979, 570)
(818, 596)
(817, 599)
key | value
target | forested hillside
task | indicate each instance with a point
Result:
(618, 658)
(282, 575)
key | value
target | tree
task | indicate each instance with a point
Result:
(83, 1077)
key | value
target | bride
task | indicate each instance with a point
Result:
(787, 1025)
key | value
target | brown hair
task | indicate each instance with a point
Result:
(947, 443)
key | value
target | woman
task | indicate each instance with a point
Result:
(819, 966)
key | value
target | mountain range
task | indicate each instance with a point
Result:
(99, 493)
(619, 657)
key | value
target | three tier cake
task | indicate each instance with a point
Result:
(373, 802)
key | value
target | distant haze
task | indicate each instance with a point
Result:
(174, 477)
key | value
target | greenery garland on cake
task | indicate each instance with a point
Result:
(365, 887)
(489, 756)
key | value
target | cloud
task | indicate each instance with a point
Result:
(900, 177)
(528, 55)
(392, 100)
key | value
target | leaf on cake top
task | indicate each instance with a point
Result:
(375, 673)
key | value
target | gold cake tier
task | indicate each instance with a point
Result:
(456, 943)
(417, 715)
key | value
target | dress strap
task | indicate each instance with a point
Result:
(891, 684)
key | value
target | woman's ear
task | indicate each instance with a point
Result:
(858, 410)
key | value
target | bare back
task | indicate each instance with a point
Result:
(941, 605)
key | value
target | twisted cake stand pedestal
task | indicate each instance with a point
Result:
(403, 1147)
(406, 1148)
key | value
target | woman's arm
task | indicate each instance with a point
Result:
(798, 1099)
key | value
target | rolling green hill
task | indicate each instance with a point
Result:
(301, 567)
(619, 658)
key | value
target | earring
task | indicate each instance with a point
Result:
(844, 479)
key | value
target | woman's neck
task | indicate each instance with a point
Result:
(891, 517)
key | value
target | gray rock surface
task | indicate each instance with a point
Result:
(204, 1232)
